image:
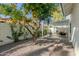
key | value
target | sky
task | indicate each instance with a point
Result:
(19, 5)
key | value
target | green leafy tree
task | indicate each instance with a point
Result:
(40, 12)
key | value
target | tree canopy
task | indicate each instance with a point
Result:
(38, 10)
(41, 10)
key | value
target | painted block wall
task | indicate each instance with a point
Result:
(4, 32)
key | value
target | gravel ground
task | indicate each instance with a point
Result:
(48, 46)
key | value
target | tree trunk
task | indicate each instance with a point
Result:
(16, 40)
(34, 39)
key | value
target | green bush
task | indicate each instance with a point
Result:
(15, 33)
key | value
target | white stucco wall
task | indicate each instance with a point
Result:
(75, 23)
(5, 31)
(75, 15)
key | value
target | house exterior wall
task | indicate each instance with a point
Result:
(75, 24)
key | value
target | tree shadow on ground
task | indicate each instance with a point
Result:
(38, 52)
(64, 53)
(10, 46)
(57, 51)
(46, 41)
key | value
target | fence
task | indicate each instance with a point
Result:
(4, 32)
